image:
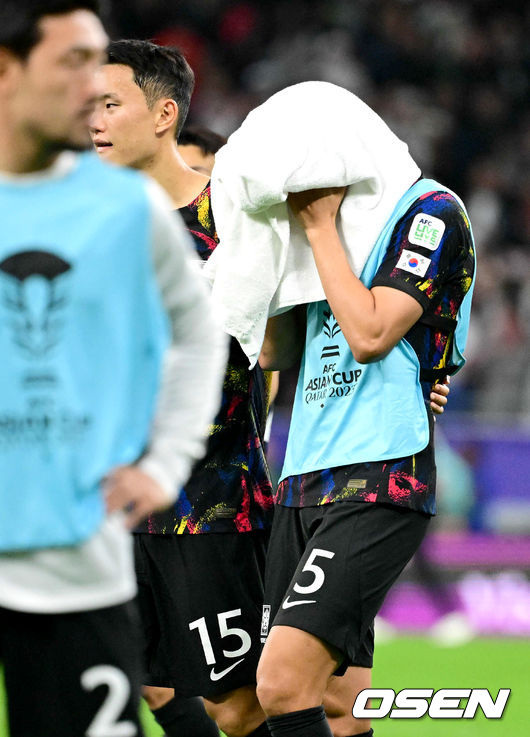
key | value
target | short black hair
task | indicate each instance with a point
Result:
(207, 140)
(19, 20)
(159, 71)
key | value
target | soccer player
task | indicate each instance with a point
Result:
(357, 488)
(198, 147)
(200, 565)
(97, 296)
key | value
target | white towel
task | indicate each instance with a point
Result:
(310, 135)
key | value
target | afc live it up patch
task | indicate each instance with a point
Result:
(413, 262)
(426, 231)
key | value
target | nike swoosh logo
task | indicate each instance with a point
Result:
(217, 676)
(286, 604)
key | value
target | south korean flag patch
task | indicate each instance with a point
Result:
(413, 262)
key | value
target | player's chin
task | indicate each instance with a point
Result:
(74, 141)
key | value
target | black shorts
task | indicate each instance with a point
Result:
(65, 673)
(330, 567)
(200, 599)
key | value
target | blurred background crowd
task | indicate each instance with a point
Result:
(452, 79)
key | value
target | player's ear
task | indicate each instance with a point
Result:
(167, 115)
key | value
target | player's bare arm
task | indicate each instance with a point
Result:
(284, 340)
(372, 320)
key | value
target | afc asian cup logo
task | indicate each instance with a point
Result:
(33, 292)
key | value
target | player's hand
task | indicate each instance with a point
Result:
(129, 489)
(316, 208)
(439, 395)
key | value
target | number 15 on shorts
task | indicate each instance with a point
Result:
(224, 631)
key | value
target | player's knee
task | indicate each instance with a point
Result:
(157, 697)
(276, 690)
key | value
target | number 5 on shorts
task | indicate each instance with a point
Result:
(317, 572)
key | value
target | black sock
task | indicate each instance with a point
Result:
(185, 718)
(305, 723)
(370, 733)
(261, 731)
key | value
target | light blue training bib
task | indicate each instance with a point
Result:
(346, 412)
(82, 335)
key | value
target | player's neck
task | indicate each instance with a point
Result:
(181, 183)
(19, 154)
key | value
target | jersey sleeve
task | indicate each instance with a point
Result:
(195, 362)
(430, 246)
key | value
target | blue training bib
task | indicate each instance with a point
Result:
(82, 335)
(346, 412)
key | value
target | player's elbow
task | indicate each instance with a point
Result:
(283, 342)
(270, 360)
(369, 350)
(366, 356)
(267, 359)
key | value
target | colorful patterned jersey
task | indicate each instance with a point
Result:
(445, 280)
(230, 488)
(438, 278)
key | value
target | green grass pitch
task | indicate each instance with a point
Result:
(416, 662)
(483, 663)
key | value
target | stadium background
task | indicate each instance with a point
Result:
(452, 78)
